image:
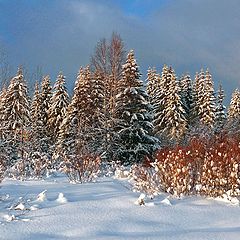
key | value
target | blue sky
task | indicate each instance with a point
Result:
(187, 34)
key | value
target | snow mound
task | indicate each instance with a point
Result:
(151, 204)
(61, 199)
(141, 200)
(20, 206)
(166, 202)
(25, 219)
(9, 218)
(34, 208)
(42, 196)
(228, 199)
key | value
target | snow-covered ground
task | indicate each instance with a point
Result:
(56, 209)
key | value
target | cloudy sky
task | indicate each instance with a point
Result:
(187, 34)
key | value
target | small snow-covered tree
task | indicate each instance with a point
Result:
(134, 129)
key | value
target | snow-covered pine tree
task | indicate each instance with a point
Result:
(199, 97)
(187, 97)
(169, 116)
(58, 107)
(135, 140)
(3, 143)
(46, 95)
(69, 138)
(38, 127)
(195, 111)
(203, 120)
(16, 119)
(174, 113)
(161, 94)
(40, 158)
(97, 114)
(233, 117)
(234, 107)
(208, 108)
(45, 98)
(2, 100)
(151, 81)
(220, 111)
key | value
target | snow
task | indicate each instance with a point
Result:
(106, 210)
(166, 201)
(61, 198)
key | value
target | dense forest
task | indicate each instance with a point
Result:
(174, 132)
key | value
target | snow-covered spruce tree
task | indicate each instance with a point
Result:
(3, 151)
(199, 95)
(187, 97)
(234, 113)
(208, 108)
(135, 140)
(220, 110)
(96, 130)
(72, 146)
(37, 119)
(194, 116)
(170, 122)
(45, 97)
(204, 110)
(152, 81)
(174, 113)
(16, 123)
(2, 100)
(39, 141)
(58, 107)
(161, 94)
(68, 131)
(234, 107)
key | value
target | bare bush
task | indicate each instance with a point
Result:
(144, 179)
(82, 167)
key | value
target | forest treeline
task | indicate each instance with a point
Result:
(112, 116)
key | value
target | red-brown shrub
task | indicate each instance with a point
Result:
(220, 170)
(206, 167)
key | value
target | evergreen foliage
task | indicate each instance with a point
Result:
(15, 120)
(58, 107)
(170, 120)
(221, 117)
(134, 128)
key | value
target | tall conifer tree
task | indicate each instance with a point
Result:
(58, 107)
(134, 128)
